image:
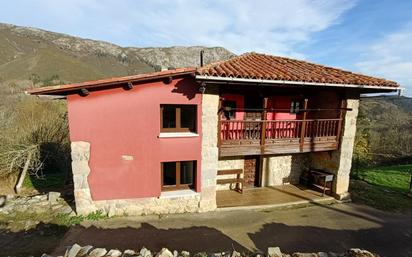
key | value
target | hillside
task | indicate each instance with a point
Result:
(384, 131)
(25, 51)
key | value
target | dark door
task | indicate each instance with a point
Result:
(251, 171)
(253, 106)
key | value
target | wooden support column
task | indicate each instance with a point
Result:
(341, 114)
(263, 128)
(303, 128)
(219, 123)
(262, 139)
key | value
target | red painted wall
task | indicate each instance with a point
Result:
(280, 102)
(120, 122)
(240, 103)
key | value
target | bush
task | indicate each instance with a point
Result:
(36, 128)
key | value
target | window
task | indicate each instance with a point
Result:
(228, 109)
(294, 107)
(178, 118)
(178, 175)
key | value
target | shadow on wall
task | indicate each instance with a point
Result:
(56, 174)
(187, 87)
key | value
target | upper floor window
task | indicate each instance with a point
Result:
(178, 118)
(294, 107)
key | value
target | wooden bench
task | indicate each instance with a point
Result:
(319, 179)
(238, 181)
(322, 180)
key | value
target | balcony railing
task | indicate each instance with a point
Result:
(278, 136)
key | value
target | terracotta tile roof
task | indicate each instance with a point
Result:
(268, 67)
(66, 89)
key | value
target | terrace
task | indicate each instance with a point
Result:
(253, 125)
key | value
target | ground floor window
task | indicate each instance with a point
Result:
(178, 175)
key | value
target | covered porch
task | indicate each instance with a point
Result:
(274, 196)
(278, 121)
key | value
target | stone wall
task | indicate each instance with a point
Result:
(283, 169)
(339, 162)
(210, 151)
(229, 164)
(90, 251)
(80, 168)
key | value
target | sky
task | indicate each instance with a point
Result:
(373, 37)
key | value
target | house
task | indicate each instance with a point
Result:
(154, 143)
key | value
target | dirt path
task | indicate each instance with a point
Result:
(318, 228)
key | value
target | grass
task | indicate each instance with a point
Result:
(396, 178)
(384, 188)
(67, 220)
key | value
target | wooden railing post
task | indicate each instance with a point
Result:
(303, 129)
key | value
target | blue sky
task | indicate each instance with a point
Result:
(368, 36)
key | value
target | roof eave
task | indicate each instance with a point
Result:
(217, 79)
(62, 90)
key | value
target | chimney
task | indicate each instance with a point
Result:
(201, 57)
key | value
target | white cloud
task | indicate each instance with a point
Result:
(391, 58)
(275, 27)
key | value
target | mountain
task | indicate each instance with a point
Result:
(26, 51)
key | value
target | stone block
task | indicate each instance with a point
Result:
(84, 251)
(98, 252)
(114, 253)
(80, 151)
(74, 250)
(274, 252)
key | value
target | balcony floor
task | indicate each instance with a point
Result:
(279, 196)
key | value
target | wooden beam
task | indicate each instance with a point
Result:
(263, 128)
(84, 92)
(128, 86)
(168, 80)
(341, 113)
(262, 139)
(303, 128)
(219, 123)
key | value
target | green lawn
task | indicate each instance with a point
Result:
(385, 188)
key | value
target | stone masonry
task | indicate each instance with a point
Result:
(210, 151)
(339, 162)
(151, 205)
(80, 168)
(283, 169)
(229, 164)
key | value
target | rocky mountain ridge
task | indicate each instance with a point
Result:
(25, 51)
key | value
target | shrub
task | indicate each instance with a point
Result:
(35, 128)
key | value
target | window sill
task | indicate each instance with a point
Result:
(178, 194)
(177, 134)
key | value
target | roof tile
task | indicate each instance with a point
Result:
(267, 67)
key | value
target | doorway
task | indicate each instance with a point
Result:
(253, 106)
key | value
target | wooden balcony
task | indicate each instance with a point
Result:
(262, 137)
